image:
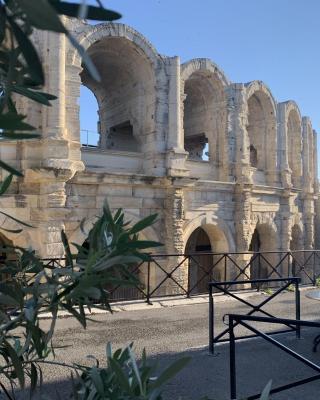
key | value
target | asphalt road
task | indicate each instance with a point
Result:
(170, 332)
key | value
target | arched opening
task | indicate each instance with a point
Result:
(204, 118)
(263, 241)
(295, 147)
(204, 266)
(89, 119)
(296, 244)
(125, 95)
(261, 130)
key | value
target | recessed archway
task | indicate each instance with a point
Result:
(261, 130)
(205, 247)
(205, 114)
(125, 94)
(296, 244)
(263, 241)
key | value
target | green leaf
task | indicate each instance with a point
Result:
(11, 230)
(16, 220)
(135, 369)
(5, 184)
(97, 381)
(39, 97)
(121, 376)
(18, 136)
(67, 249)
(10, 169)
(94, 13)
(12, 121)
(27, 48)
(144, 223)
(170, 372)
(42, 15)
(17, 364)
(266, 391)
(33, 377)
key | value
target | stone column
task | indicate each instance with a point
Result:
(238, 120)
(242, 225)
(174, 220)
(306, 161)
(283, 146)
(176, 154)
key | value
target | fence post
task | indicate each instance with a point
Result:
(148, 284)
(211, 321)
(232, 354)
(314, 268)
(297, 298)
(188, 283)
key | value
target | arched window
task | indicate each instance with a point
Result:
(89, 118)
(125, 95)
(204, 118)
(261, 130)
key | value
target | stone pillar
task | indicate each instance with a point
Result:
(238, 120)
(174, 220)
(282, 135)
(315, 162)
(306, 161)
(242, 225)
(176, 154)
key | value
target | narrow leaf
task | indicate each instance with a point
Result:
(10, 169)
(5, 184)
(27, 48)
(42, 15)
(92, 12)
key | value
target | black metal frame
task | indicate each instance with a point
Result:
(307, 264)
(235, 319)
(224, 288)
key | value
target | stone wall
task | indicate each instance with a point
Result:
(262, 169)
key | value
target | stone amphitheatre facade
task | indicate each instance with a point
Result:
(220, 162)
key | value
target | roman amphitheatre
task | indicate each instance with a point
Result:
(226, 167)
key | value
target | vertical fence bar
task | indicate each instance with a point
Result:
(288, 257)
(225, 269)
(298, 311)
(314, 269)
(189, 283)
(211, 321)
(232, 354)
(148, 283)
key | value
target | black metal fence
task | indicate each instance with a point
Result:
(246, 321)
(226, 288)
(189, 274)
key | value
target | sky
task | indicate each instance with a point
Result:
(276, 41)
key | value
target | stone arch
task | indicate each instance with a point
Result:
(294, 142)
(28, 238)
(264, 239)
(262, 130)
(204, 113)
(203, 236)
(127, 94)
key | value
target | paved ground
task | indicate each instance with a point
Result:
(170, 332)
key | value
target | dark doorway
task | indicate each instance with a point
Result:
(255, 264)
(200, 263)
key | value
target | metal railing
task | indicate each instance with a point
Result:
(187, 275)
(226, 288)
(89, 138)
(245, 320)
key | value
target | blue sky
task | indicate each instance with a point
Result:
(276, 41)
